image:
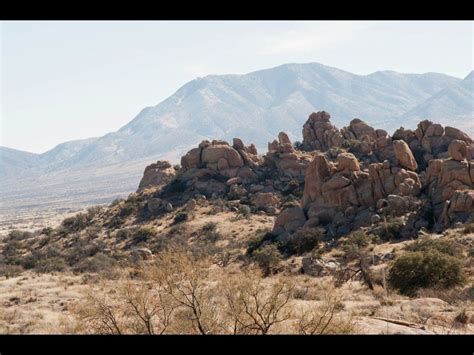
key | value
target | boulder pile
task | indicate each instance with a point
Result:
(343, 179)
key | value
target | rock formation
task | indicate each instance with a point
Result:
(285, 159)
(319, 133)
(157, 174)
(346, 179)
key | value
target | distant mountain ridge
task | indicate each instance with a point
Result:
(254, 107)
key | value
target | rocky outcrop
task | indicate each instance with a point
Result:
(289, 220)
(319, 133)
(450, 185)
(157, 174)
(346, 179)
(341, 194)
(220, 157)
(285, 159)
(431, 140)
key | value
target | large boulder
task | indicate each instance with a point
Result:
(223, 153)
(404, 155)
(289, 220)
(316, 173)
(347, 162)
(156, 174)
(287, 161)
(319, 133)
(457, 150)
(359, 129)
(265, 199)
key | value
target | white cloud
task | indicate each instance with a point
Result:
(313, 36)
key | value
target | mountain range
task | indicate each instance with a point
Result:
(254, 107)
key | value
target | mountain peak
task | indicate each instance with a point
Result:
(470, 76)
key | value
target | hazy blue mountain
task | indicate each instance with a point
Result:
(254, 107)
(13, 161)
(454, 106)
(258, 105)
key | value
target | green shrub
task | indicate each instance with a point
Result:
(128, 208)
(176, 186)
(443, 246)
(209, 232)
(92, 212)
(19, 235)
(116, 202)
(209, 227)
(259, 241)
(97, 263)
(50, 265)
(297, 145)
(425, 269)
(352, 145)
(302, 241)
(115, 222)
(122, 234)
(334, 152)
(267, 257)
(391, 229)
(81, 250)
(244, 210)
(468, 228)
(143, 234)
(356, 242)
(180, 217)
(29, 261)
(75, 223)
(48, 231)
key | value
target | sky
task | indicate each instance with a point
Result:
(62, 81)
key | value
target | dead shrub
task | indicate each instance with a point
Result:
(326, 318)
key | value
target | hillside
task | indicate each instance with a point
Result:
(453, 101)
(352, 231)
(14, 161)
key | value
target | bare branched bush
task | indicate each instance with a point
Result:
(137, 308)
(183, 294)
(255, 308)
(184, 278)
(326, 317)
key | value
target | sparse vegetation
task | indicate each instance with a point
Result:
(10, 270)
(352, 145)
(302, 241)
(19, 235)
(50, 264)
(390, 229)
(468, 228)
(75, 223)
(267, 257)
(143, 234)
(180, 217)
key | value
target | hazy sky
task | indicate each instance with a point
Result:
(70, 80)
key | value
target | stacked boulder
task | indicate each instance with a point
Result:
(344, 196)
(285, 159)
(320, 134)
(431, 140)
(213, 166)
(352, 177)
(157, 174)
(450, 184)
